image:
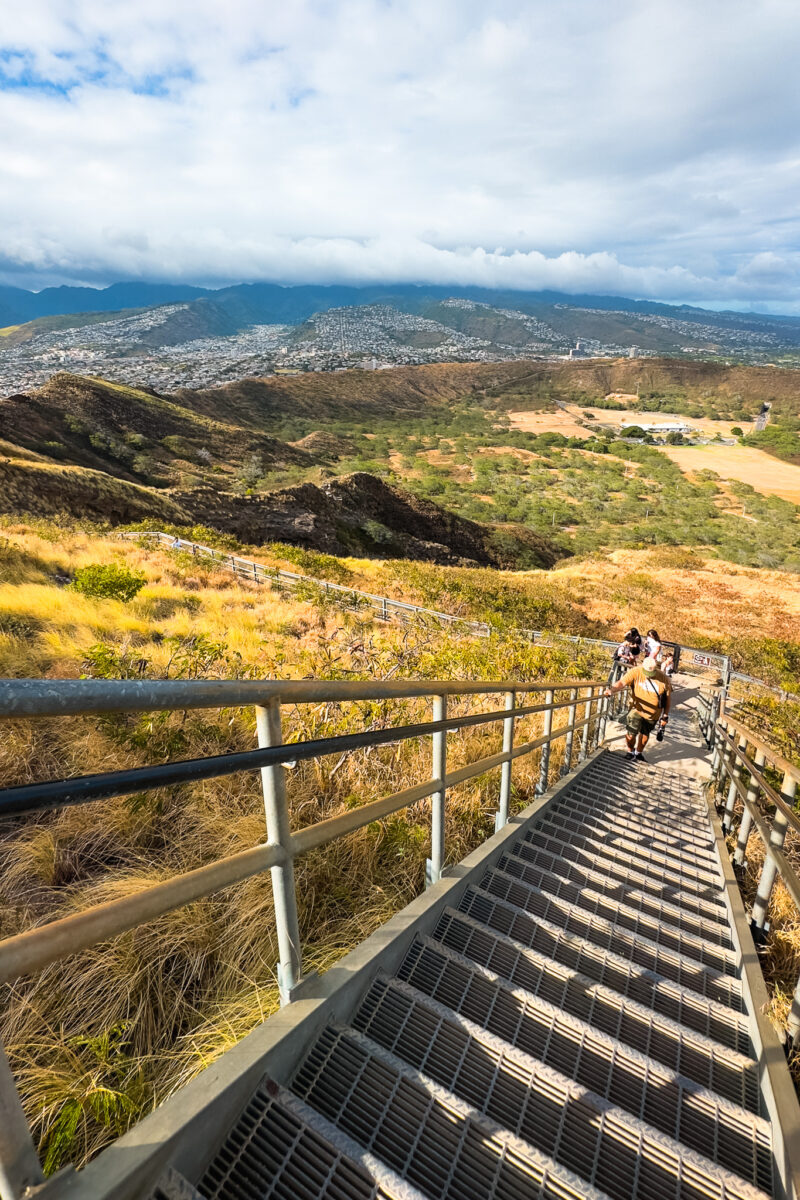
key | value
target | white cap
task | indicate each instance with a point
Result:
(649, 666)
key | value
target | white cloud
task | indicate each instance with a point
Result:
(641, 148)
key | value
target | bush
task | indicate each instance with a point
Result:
(108, 581)
(737, 430)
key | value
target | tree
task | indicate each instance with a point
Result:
(674, 439)
(737, 431)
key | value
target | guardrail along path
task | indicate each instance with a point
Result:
(576, 1024)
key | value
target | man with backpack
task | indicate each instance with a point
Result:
(651, 696)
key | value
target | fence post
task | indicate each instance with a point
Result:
(273, 782)
(435, 863)
(770, 868)
(587, 713)
(747, 820)
(736, 768)
(19, 1163)
(501, 816)
(544, 764)
(566, 765)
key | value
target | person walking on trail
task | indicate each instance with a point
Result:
(627, 651)
(651, 696)
(652, 645)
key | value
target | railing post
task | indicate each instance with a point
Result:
(19, 1163)
(770, 868)
(273, 781)
(566, 765)
(501, 816)
(747, 820)
(544, 764)
(736, 775)
(435, 863)
(587, 714)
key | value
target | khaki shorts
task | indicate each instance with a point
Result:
(636, 723)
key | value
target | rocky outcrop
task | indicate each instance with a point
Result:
(362, 515)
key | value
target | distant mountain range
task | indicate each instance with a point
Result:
(248, 304)
(179, 336)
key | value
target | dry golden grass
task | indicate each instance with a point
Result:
(685, 594)
(762, 471)
(100, 1038)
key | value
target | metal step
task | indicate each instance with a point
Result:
(686, 917)
(282, 1149)
(677, 850)
(566, 925)
(435, 1141)
(565, 828)
(643, 811)
(675, 802)
(570, 835)
(716, 952)
(535, 984)
(621, 979)
(457, 1050)
(573, 863)
(411, 1116)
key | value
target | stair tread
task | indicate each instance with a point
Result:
(434, 1038)
(556, 1121)
(619, 914)
(457, 980)
(599, 938)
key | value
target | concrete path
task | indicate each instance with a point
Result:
(683, 748)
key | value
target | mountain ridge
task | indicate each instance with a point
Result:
(256, 303)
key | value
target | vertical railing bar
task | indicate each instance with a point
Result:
(501, 817)
(547, 728)
(736, 775)
(566, 765)
(747, 819)
(273, 781)
(20, 1168)
(770, 869)
(587, 713)
(435, 863)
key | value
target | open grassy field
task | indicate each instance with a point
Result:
(571, 421)
(766, 474)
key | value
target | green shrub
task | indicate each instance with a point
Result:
(108, 581)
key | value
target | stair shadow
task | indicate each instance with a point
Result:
(537, 1106)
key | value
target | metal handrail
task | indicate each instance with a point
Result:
(36, 948)
(385, 607)
(731, 741)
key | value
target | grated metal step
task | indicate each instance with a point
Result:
(677, 851)
(571, 836)
(424, 1127)
(714, 952)
(575, 1028)
(573, 863)
(626, 896)
(440, 1144)
(565, 828)
(280, 1149)
(471, 1057)
(516, 961)
(489, 996)
(640, 808)
(572, 931)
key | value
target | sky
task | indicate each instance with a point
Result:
(637, 148)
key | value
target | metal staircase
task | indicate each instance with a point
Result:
(576, 1025)
(574, 1010)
